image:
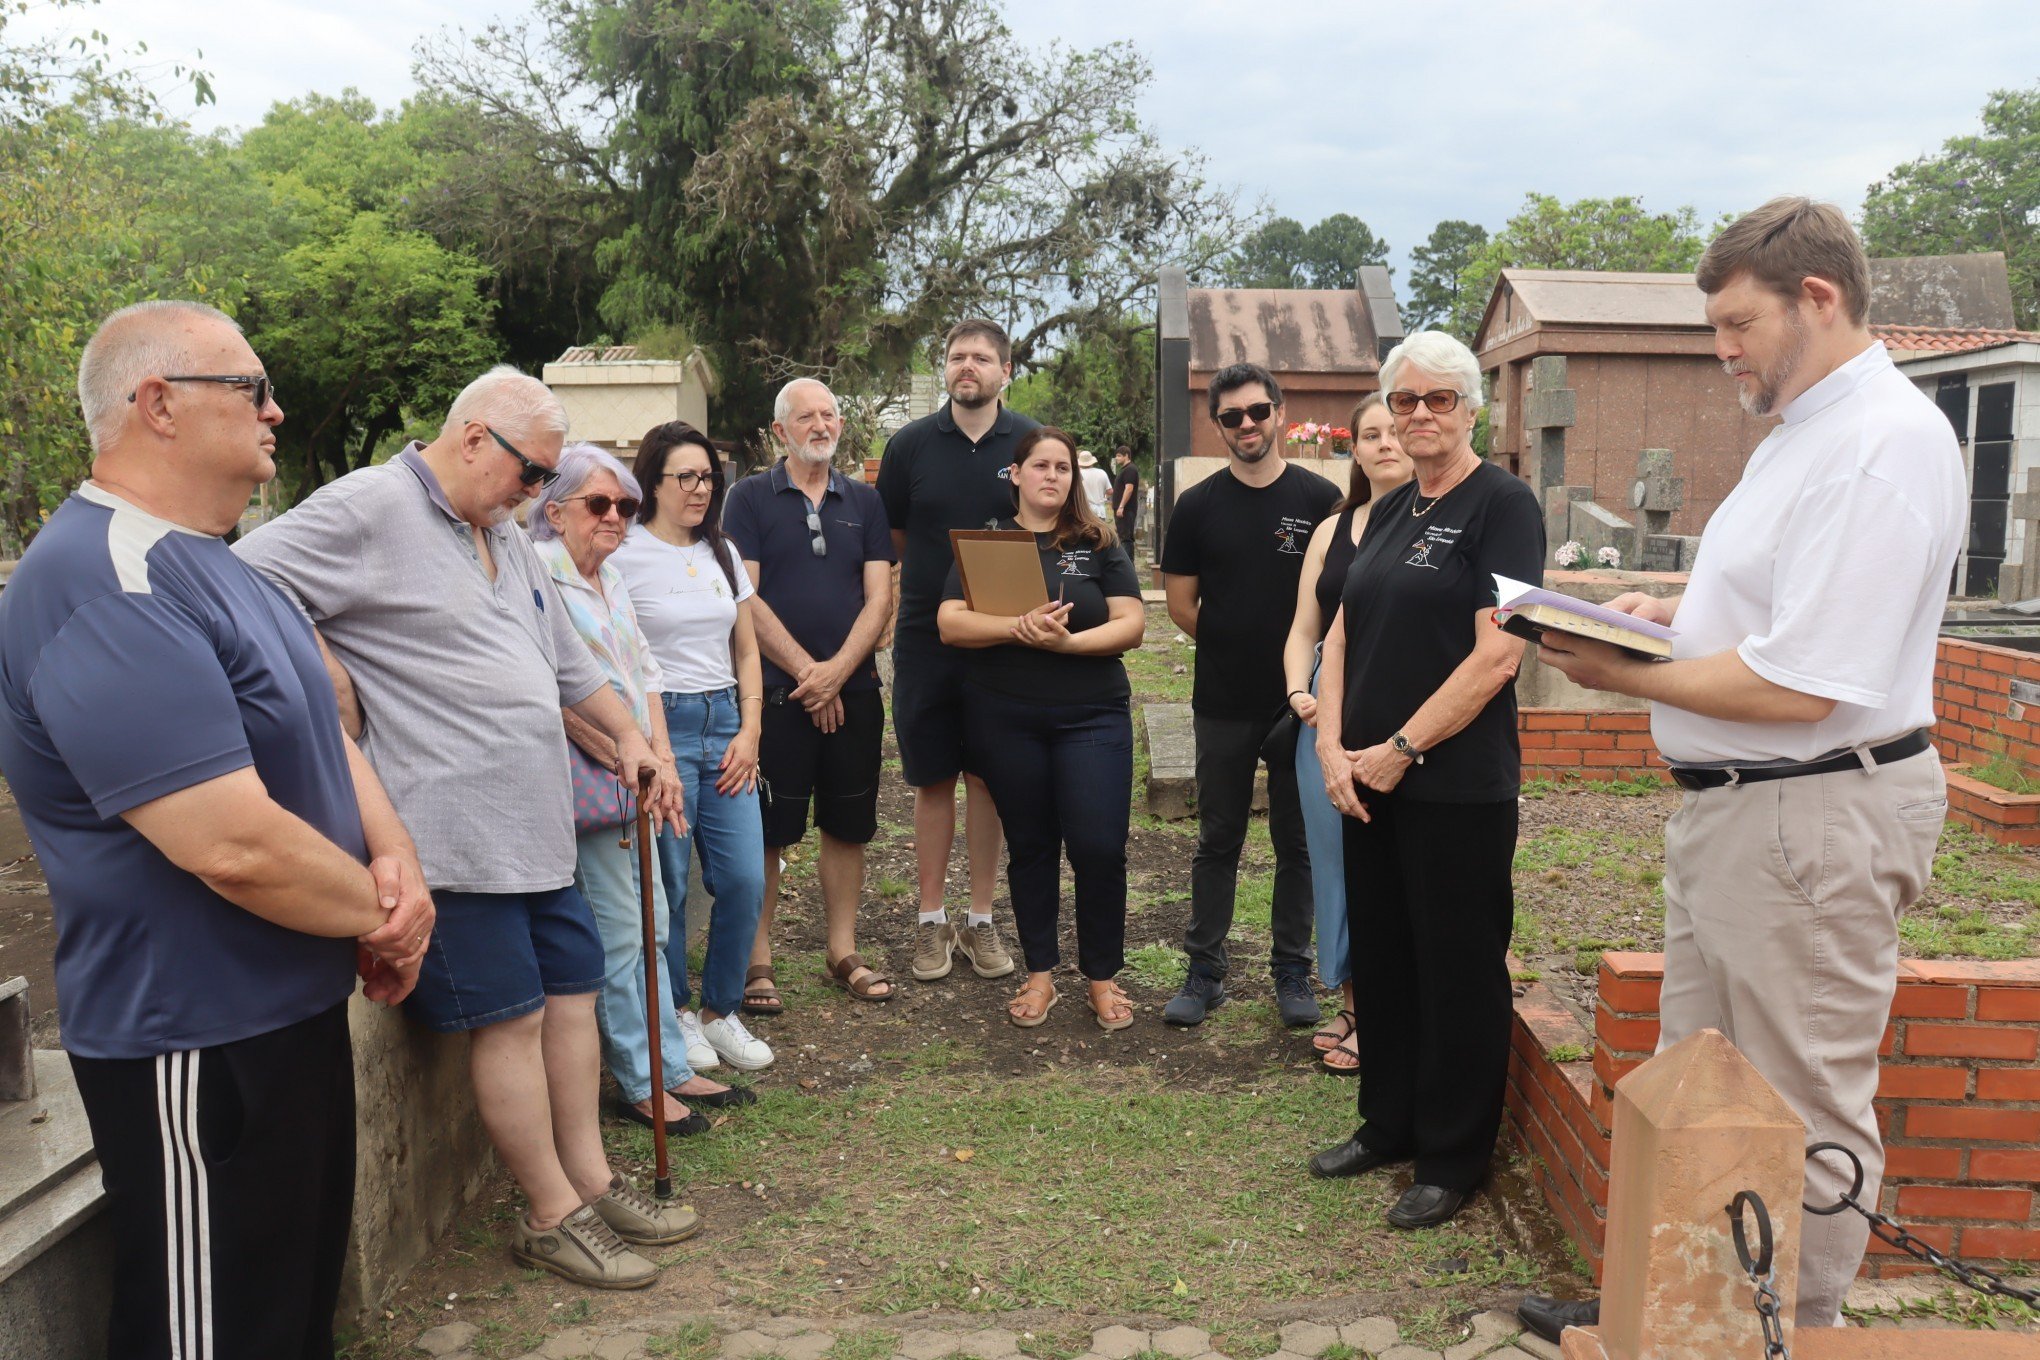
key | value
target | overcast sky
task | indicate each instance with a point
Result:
(1402, 115)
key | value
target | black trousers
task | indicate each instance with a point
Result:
(229, 1174)
(1429, 907)
(1061, 776)
(1227, 751)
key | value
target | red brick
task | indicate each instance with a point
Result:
(1625, 1036)
(1595, 741)
(1971, 1041)
(1530, 720)
(2001, 1244)
(2008, 1003)
(1963, 1201)
(1966, 1121)
(1612, 760)
(1611, 1069)
(1630, 996)
(2003, 1164)
(1535, 740)
(1940, 1237)
(1890, 1043)
(1601, 1107)
(1997, 663)
(1925, 1164)
(1923, 999)
(1569, 755)
(2008, 1083)
(1633, 963)
(1634, 741)
(1902, 1081)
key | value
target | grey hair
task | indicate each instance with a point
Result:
(517, 401)
(130, 345)
(578, 462)
(1439, 354)
(784, 400)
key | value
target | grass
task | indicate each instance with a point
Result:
(690, 1341)
(2003, 772)
(1158, 965)
(1063, 1204)
(1565, 1053)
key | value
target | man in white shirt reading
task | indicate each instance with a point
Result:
(1795, 708)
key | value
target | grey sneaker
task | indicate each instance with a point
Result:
(584, 1249)
(980, 944)
(643, 1221)
(934, 943)
(1200, 996)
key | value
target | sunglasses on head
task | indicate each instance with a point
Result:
(258, 384)
(600, 505)
(1440, 401)
(532, 474)
(1234, 416)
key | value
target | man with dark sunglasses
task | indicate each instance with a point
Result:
(1230, 562)
(818, 548)
(442, 617)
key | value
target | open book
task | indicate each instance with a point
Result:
(1528, 611)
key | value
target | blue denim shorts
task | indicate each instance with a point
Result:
(496, 956)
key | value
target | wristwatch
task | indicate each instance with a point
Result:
(1402, 747)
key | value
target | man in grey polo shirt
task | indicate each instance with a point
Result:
(461, 656)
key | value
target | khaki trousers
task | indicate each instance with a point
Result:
(1781, 931)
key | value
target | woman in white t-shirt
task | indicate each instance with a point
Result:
(692, 598)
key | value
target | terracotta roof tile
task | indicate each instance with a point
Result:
(1947, 339)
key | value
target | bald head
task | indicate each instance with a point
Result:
(146, 340)
(806, 420)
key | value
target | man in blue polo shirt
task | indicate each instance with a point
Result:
(170, 734)
(819, 549)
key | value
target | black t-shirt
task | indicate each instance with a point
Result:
(1245, 546)
(1128, 476)
(1087, 578)
(1410, 600)
(933, 479)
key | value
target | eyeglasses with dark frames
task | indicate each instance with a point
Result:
(532, 474)
(1439, 400)
(1234, 416)
(816, 542)
(600, 505)
(688, 479)
(258, 384)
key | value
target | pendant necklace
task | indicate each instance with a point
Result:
(687, 556)
(1419, 514)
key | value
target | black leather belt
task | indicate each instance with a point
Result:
(1905, 747)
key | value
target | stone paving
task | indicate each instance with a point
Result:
(1487, 1336)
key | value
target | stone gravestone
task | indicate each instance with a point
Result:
(1659, 495)
(2022, 581)
(1549, 410)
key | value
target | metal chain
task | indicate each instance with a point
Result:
(1759, 1269)
(1983, 1281)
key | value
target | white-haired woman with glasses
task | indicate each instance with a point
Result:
(578, 520)
(693, 597)
(1416, 735)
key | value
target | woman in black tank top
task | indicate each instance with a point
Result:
(1379, 465)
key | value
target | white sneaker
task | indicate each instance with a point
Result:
(736, 1045)
(700, 1054)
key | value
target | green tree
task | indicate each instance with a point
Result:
(1435, 271)
(1100, 388)
(1283, 254)
(1591, 233)
(1978, 192)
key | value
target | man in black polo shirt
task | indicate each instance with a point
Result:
(818, 551)
(1231, 561)
(948, 471)
(1125, 497)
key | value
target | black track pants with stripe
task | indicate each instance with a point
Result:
(230, 1178)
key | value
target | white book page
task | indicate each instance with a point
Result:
(1517, 594)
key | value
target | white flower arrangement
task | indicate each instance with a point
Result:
(1569, 554)
(1610, 556)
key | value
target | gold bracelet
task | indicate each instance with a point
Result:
(750, 698)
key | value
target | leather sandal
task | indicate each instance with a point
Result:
(1113, 999)
(1324, 1041)
(1348, 1047)
(1023, 997)
(765, 1002)
(866, 987)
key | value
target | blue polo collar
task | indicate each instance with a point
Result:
(838, 485)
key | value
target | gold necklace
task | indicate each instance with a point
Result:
(1419, 495)
(687, 556)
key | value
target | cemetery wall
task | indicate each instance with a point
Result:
(1958, 1102)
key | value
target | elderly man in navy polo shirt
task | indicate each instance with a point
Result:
(819, 549)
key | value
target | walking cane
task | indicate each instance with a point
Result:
(662, 1187)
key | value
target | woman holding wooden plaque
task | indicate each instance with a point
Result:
(1046, 710)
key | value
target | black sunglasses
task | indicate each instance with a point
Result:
(1439, 400)
(600, 505)
(1233, 416)
(816, 542)
(533, 474)
(258, 384)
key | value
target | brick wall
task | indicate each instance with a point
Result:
(1586, 743)
(1958, 1100)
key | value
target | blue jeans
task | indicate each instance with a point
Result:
(607, 875)
(730, 833)
(1322, 833)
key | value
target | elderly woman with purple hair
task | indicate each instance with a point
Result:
(577, 522)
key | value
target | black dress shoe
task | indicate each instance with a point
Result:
(1546, 1318)
(1350, 1158)
(695, 1122)
(1425, 1206)
(730, 1099)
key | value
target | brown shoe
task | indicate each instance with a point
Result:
(584, 1249)
(980, 944)
(934, 946)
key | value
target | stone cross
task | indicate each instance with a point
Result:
(1549, 410)
(1657, 493)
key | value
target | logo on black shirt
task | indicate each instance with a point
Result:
(1072, 563)
(1436, 537)
(1290, 532)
